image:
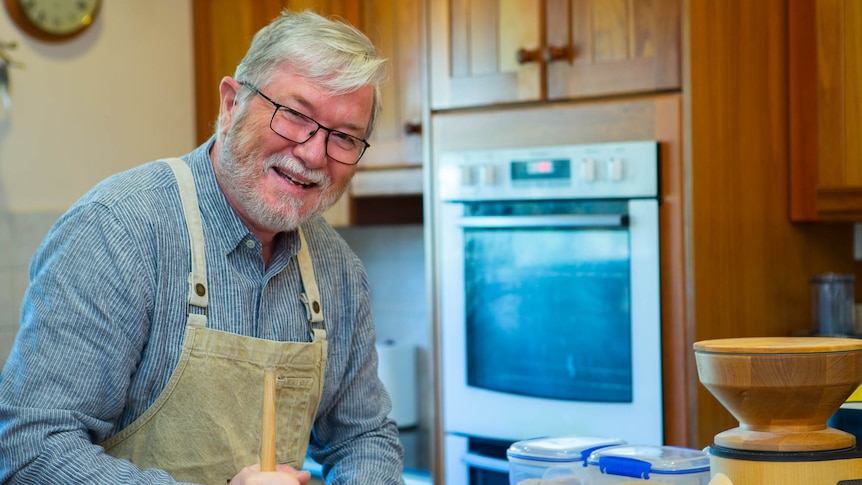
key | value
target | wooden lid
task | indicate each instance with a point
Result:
(787, 441)
(779, 345)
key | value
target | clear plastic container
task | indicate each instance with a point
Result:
(833, 310)
(645, 463)
(558, 461)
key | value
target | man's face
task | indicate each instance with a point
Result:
(275, 184)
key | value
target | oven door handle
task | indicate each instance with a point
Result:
(483, 462)
(565, 220)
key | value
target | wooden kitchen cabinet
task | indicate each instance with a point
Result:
(825, 46)
(223, 30)
(487, 52)
(395, 27)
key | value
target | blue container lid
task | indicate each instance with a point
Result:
(641, 460)
(564, 449)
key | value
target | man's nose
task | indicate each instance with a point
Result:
(313, 151)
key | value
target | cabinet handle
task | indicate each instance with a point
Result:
(413, 128)
(529, 55)
(548, 54)
(555, 53)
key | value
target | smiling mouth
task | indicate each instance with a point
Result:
(292, 180)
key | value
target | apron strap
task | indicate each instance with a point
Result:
(198, 296)
(311, 296)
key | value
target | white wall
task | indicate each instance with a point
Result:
(117, 96)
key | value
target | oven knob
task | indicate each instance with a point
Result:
(486, 175)
(588, 170)
(467, 177)
(615, 170)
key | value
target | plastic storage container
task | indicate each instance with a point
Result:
(558, 461)
(652, 464)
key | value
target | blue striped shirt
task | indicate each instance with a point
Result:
(103, 322)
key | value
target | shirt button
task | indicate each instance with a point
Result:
(249, 244)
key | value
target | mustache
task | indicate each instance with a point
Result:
(290, 165)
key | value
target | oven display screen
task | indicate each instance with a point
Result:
(541, 170)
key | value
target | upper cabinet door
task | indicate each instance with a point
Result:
(825, 86)
(506, 51)
(395, 27)
(602, 47)
(474, 49)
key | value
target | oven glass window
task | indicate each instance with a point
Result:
(548, 312)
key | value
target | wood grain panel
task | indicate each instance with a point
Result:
(853, 92)
(581, 21)
(384, 34)
(620, 46)
(677, 336)
(830, 92)
(558, 27)
(733, 161)
(456, 44)
(508, 39)
(471, 44)
(750, 265)
(484, 34)
(395, 27)
(838, 203)
(642, 40)
(532, 78)
(607, 47)
(223, 30)
(611, 30)
(305, 4)
(826, 117)
(802, 85)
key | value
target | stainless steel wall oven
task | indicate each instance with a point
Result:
(549, 299)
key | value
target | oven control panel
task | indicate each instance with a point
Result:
(587, 171)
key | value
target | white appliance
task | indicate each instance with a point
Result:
(549, 299)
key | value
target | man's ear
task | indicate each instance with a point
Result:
(228, 96)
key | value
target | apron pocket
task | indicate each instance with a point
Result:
(295, 397)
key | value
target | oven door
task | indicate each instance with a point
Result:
(550, 319)
(476, 461)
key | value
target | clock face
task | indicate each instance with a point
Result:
(59, 18)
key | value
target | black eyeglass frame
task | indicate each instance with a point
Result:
(328, 131)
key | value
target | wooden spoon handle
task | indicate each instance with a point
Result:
(267, 436)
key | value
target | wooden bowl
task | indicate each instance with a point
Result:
(782, 390)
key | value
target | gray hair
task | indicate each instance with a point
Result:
(331, 53)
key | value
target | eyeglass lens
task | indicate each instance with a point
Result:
(299, 128)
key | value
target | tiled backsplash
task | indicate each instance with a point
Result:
(394, 258)
(20, 236)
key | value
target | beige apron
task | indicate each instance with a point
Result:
(205, 426)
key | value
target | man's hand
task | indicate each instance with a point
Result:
(283, 475)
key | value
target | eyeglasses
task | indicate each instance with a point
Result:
(299, 128)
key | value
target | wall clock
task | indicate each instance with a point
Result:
(53, 20)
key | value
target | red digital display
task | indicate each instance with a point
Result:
(540, 167)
